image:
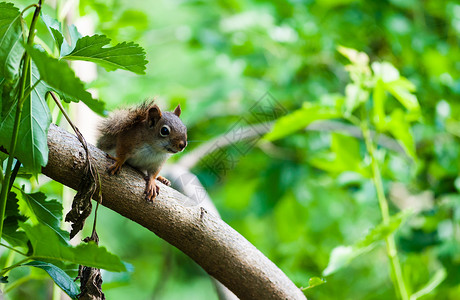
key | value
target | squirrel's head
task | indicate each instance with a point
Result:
(170, 133)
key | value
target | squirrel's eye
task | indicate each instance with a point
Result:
(164, 131)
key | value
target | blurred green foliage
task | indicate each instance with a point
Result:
(217, 59)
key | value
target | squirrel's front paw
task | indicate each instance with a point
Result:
(110, 156)
(164, 180)
(115, 168)
(151, 190)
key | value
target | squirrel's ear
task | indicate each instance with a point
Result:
(177, 110)
(154, 114)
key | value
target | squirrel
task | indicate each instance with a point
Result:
(145, 138)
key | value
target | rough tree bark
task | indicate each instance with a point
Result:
(215, 246)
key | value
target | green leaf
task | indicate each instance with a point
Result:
(55, 30)
(126, 56)
(399, 127)
(344, 156)
(11, 52)
(341, 256)
(63, 280)
(61, 78)
(354, 56)
(314, 282)
(359, 70)
(3, 279)
(32, 146)
(46, 212)
(401, 89)
(11, 225)
(12, 207)
(47, 245)
(301, 118)
(74, 36)
(385, 71)
(10, 40)
(381, 231)
(14, 237)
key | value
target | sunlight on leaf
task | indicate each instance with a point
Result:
(126, 56)
(359, 70)
(400, 87)
(401, 90)
(70, 42)
(314, 282)
(55, 30)
(355, 96)
(354, 56)
(385, 71)
(301, 118)
(340, 257)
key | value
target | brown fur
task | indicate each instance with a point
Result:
(124, 119)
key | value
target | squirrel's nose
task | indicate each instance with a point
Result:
(182, 145)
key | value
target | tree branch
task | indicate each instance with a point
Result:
(215, 246)
(190, 159)
(188, 184)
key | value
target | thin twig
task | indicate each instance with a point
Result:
(12, 249)
(392, 252)
(76, 214)
(99, 201)
(19, 263)
(17, 165)
(75, 129)
(27, 7)
(77, 132)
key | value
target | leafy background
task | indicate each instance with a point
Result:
(217, 59)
